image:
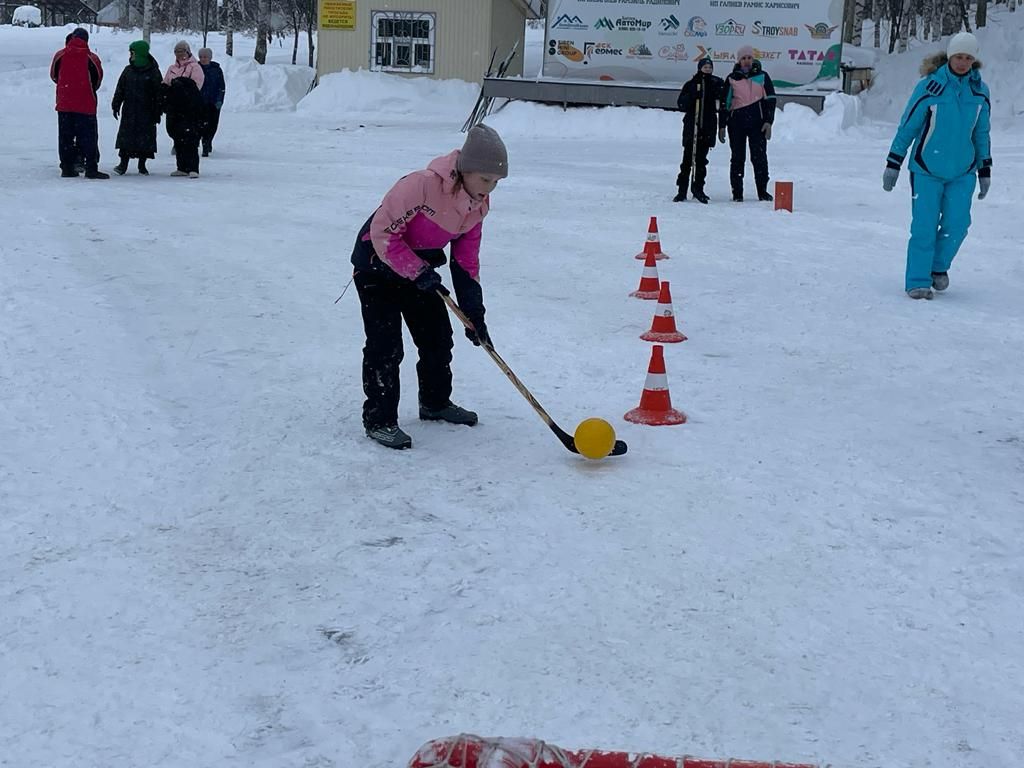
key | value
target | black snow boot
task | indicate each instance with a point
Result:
(737, 197)
(121, 168)
(764, 196)
(700, 197)
(451, 413)
(69, 173)
(96, 175)
(680, 196)
(390, 437)
(143, 170)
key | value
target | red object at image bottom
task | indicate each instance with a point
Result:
(467, 751)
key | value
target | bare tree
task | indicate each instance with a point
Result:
(981, 14)
(877, 19)
(311, 21)
(206, 10)
(262, 30)
(147, 19)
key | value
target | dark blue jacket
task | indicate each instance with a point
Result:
(213, 85)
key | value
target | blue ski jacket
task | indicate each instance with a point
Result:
(947, 122)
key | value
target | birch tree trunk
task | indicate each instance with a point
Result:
(877, 18)
(858, 22)
(147, 19)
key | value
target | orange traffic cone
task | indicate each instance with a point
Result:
(784, 196)
(653, 244)
(655, 409)
(649, 283)
(663, 328)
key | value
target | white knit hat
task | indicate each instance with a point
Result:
(962, 42)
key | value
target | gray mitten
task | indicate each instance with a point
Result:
(889, 178)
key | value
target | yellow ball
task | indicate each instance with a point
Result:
(594, 438)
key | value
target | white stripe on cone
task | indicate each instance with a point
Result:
(656, 382)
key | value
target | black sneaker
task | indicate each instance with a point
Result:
(940, 280)
(390, 437)
(96, 175)
(700, 197)
(765, 196)
(451, 413)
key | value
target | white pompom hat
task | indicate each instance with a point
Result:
(962, 42)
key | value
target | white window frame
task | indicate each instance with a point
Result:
(391, 45)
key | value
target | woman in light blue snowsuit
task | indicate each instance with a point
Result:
(947, 121)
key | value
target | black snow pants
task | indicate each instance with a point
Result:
(77, 135)
(695, 161)
(211, 120)
(385, 299)
(745, 127)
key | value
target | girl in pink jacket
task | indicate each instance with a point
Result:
(395, 258)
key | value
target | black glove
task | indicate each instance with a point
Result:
(480, 335)
(429, 281)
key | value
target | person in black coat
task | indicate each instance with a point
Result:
(213, 97)
(183, 106)
(136, 103)
(702, 101)
(750, 101)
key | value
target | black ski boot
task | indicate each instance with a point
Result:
(451, 413)
(390, 437)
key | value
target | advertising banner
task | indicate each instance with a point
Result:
(661, 41)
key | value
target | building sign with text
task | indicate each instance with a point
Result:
(337, 14)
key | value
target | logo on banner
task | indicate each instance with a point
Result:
(696, 27)
(773, 30)
(566, 49)
(640, 51)
(604, 23)
(565, 21)
(711, 53)
(590, 50)
(730, 28)
(675, 52)
(821, 31)
(811, 56)
(632, 24)
(669, 25)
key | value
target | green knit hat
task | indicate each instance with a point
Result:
(141, 49)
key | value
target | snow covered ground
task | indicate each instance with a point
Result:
(203, 562)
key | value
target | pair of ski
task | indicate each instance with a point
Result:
(564, 437)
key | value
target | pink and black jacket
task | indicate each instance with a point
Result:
(421, 214)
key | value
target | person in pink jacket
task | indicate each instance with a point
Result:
(183, 105)
(395, 259)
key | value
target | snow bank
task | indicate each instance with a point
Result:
(363, 93)
(792, 123)
(273, 87)
(1002, 52)
(264, 88)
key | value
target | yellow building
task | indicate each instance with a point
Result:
(433, 38)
